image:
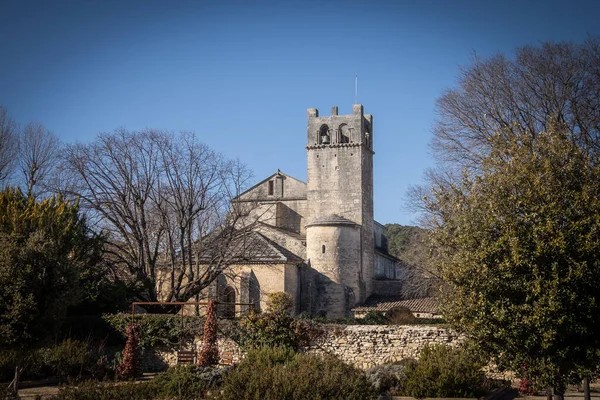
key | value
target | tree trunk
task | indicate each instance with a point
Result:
(558, 394)
(586, 389)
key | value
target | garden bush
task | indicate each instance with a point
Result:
(281, 374)
(444, 371)
(276, 327)
(93, 390)
(188, 382)
(400, 316)
(68, 360)
(157, 329)
(181, 382)
(388, 378)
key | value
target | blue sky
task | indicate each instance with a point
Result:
(241, 74)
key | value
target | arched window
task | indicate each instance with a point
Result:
(228, 297)
(254, 291)
(344, 133)
(324, 137)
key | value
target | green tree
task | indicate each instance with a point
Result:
(519, 250)
(44, 247)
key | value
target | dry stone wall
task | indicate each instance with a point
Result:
(159, 359)
(363, 346)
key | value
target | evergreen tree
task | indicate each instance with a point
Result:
(44, 247)
(519, 248)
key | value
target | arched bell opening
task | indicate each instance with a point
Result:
(324, 137)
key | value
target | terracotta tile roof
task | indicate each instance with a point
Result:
(386, 303)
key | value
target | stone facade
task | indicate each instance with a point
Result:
(330, 245)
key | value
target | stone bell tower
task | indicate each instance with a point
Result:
(339, 230)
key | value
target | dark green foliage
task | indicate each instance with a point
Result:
(520, 253)
(444, 371)
(379, 318)
(374, 318)
(276, 327)
(182, 383)
(401, 238)
(188, 382)
(166, 329)
(158, 329)
(91, 327)
(70, 360)
(45, 247)
(93, 390)
(281, 374)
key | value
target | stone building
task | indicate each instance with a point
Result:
(317, 240)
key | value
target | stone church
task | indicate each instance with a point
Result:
(317, 240)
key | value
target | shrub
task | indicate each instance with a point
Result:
(157, 329)
(9, 359)
(188, 382)
(276, 328)
(374, 318)
(67, 360)
(71, 359)
(279, 373)
(130, 366)
(400, 316)
(93, 390)
(182, 383)
(387, 378)
(280, 303)
(444, 371)
(210, 350)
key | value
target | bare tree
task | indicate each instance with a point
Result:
(545, 85)
(40, 150)
(157, 195)
(554, 82)
(9, 145)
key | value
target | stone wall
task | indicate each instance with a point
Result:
(363, 346)
(159, 359)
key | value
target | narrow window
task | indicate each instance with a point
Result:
(271, 188)
(323, 249)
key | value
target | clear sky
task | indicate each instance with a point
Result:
(242, 74)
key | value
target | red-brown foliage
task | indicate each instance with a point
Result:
(210, 350)
(130, 367)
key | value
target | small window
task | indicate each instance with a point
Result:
(271, 185)
(323, 249)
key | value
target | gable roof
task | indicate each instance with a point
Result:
(278, 173)
(254, 248)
